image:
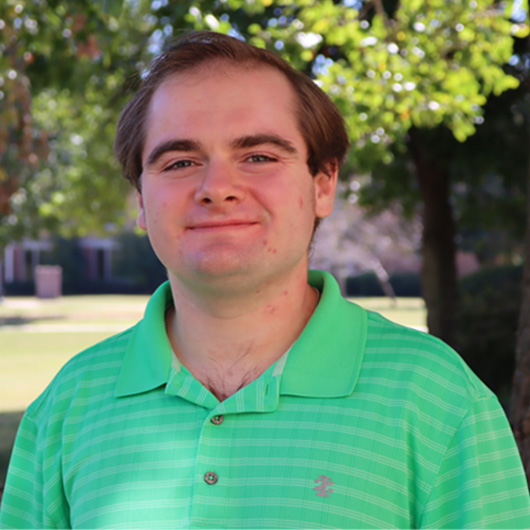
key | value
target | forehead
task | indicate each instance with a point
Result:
(222, 89)
(230, 70)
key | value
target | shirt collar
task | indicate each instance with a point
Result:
(147, 361)
(325, 361)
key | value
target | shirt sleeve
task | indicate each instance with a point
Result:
(481, 481)
(33, 495)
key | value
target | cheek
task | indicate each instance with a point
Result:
(159, 200)
(157, 214)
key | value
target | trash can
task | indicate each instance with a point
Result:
(48, 281)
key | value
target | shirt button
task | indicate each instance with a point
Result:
(210, 477)
(217, 420)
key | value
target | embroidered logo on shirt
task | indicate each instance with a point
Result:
(322, 490)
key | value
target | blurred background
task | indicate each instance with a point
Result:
(433, 208)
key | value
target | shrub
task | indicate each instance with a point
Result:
(487, 323)
(367, 284)
(406, 283)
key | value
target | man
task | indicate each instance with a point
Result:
(250, 396)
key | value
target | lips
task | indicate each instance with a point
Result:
(225, 223)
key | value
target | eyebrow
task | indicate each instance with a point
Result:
(239, 143)
(261, 139)
(172, 145)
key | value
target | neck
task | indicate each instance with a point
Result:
(228, 341)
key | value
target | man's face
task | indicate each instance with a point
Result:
(226, 194)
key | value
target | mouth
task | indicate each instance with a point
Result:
(220, 225)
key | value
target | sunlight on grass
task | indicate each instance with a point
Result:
(406, 311)
(29, 361)
(38, 336)
(95, 310)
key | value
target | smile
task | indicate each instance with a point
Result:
(222, 225)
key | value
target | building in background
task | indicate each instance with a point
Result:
(21, 258)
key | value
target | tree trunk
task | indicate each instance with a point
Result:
(520, 401)
(439, 276)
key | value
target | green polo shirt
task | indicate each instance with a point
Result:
(362, 424)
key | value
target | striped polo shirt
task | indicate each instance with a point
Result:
(362, 424)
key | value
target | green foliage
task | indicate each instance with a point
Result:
(112, 7)
(64, 77)
(428, 66)
(421, 67)
(87, 180)
(389, 66)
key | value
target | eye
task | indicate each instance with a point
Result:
(179, 164)
(261, 158)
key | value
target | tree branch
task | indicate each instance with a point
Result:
(380, 10)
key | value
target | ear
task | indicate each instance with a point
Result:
(140, 220)
(325, 185)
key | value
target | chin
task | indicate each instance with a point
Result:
(213, 270)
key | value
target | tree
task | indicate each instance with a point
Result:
(426, 75)
(520, 404)
(21, 147)
(64, 79)
(395, 70)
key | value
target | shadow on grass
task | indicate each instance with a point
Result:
(23, 321)
(9, 422)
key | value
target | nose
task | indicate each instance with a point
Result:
(219, 185)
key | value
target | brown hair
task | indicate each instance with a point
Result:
(320, 122)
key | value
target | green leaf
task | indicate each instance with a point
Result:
(112, 8)
(504, 83)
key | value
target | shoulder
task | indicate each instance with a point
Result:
(421, 355)
(95, 368)
(420, 372)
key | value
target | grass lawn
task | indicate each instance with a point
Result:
(407, 311)
(38, 336)
(97, 310)
(28, 362)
